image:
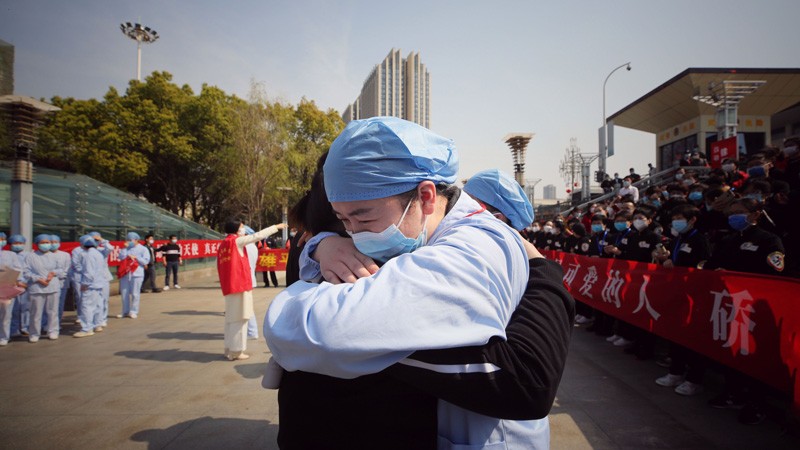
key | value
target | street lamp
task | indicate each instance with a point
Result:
(285, 212)
(140, 34)
(604, 144)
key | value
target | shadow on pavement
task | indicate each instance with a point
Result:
(255, 370)
(211, 433)
(194, 313)
(187, 336)
(171, 355)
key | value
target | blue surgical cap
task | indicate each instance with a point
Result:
(94, 234)
(133, 236)
(55, 238)
(248, 231)
(41, 237)
(385, 156)
(87, 240)
(2, 235)
(500, 190)
(16, 239)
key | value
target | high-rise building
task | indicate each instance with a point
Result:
(550, 192)
(6, 68)
(396, 87)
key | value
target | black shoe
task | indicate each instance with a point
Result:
(726, 401)
(751, 415)
(664, 361)
(157, 291)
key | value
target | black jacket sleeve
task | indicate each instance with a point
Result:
(516, 378)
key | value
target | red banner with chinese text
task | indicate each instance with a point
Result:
(746, 321)
(268, 259)
(720, 150)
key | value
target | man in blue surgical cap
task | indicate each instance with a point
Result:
(130, 284)
(452, 274)
(502, 196)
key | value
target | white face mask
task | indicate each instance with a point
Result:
(640, 224)
(150, 241)
(790, 151)
(241, 232)
(728, 168)
(174, 241)
(548, 229)
(535, 228)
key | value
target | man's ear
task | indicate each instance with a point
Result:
(426, 193)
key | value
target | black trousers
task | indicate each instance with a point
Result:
(273, 276)
(149, 282)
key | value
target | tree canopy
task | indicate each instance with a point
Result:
(206, 156)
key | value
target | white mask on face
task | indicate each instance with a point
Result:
(174, 241)
(640, 224)
(548, 229)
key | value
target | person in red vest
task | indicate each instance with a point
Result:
(236, 282)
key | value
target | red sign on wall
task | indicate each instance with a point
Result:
(721, 150)
(745, 321)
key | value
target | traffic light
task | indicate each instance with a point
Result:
(598, 176)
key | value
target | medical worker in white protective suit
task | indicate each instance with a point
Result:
(453, 274)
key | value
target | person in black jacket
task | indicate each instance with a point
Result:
(689, 248)
(172, 259)
(397, 407)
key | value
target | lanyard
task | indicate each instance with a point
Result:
(619, 238)
(599, 241)
(678, 245)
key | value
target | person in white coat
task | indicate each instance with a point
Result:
(105, 248)
(252, 257)
(89, 268)
(64, 262)
(8, 261)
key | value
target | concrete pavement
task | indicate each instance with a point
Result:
(160, 381)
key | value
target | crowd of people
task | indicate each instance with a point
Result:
(738, 217)
(46, 275)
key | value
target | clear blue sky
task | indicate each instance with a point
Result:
(496, 67)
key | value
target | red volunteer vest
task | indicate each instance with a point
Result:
(233, 268)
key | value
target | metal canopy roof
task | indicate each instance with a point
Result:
(672, 103)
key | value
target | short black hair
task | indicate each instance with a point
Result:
(232, 225)
(148, 236)
(173, 236)
(686, 210)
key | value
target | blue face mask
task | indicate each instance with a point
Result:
(597, 228)
(656, 203)
(132, 244)
(16, 248)
(665, 194)
(44, 248)
(2, 243)
(621, 226)
(680, 225)
(54, 246)
(738, 221)
(695, 196)
(390, 242)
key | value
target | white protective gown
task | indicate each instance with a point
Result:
(460, 289)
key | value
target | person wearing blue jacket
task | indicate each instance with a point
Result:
(130, 285)
(452, 273)
(89, 266)
(42, 275)
(105, 248)
(22, 307)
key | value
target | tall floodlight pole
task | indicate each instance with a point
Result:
(518, 142)
(140, 34)
(604, 144)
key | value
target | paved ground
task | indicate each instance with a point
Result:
(160, 382)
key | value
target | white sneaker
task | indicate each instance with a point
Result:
(3, 342)
(166, 288)
(688, 388)
(613, 338)
(177, 286)
(119, 316)
(33, 339)
(98, 329)
(584, 320)
(622, 342)
(132, 316)
(53, 336)
(81, 334)
(669, 380)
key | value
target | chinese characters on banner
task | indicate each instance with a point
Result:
(721, 150)
(268, 259)
(745, 321)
